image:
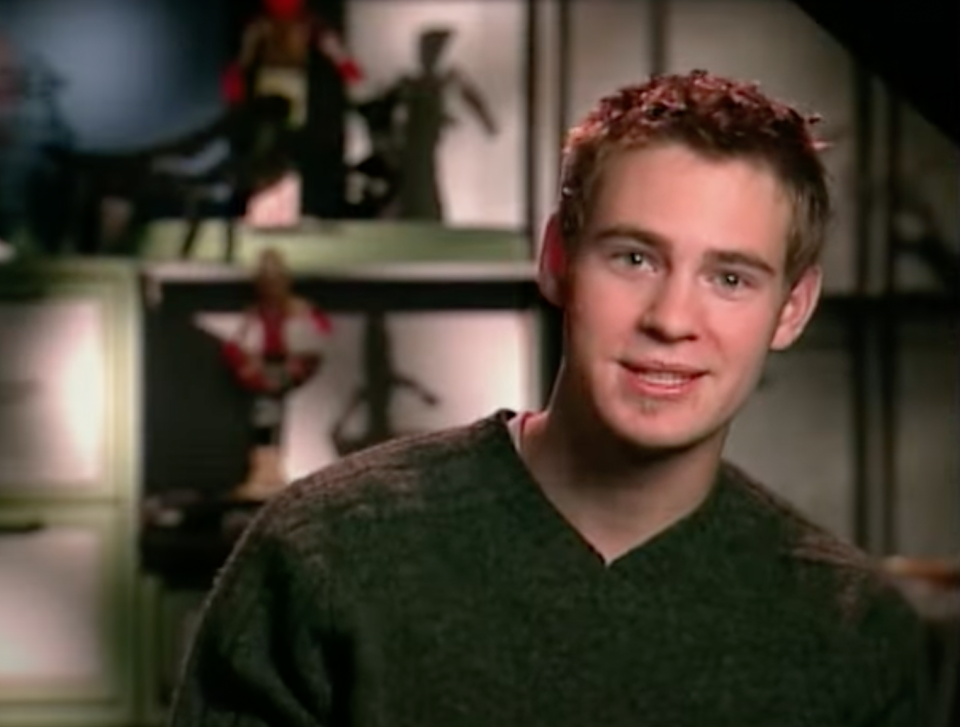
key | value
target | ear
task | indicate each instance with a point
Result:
(798, 308)
(552, 267)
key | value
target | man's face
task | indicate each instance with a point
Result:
(675, 294)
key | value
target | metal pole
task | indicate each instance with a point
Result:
(889, 353)
(859, 319)
(564, 68)
(531, 156)
(659, 17)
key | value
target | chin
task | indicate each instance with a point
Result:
(647, 438)
(653, 426)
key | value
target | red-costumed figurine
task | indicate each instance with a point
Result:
(277, 348)
(275, 53)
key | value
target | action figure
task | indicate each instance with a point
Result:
(423, 99)
(34, 134)
(374, 181)
(275, 55)
(277, 349)
(292, 52)
(383, 380)
(245, 153)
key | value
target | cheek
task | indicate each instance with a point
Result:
(744, 339)
(600, 314)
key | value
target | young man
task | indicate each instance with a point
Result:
(595, 563)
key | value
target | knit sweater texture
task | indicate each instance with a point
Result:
(428, 582)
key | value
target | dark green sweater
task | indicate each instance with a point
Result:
(428, 582)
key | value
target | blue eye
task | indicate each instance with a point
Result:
(732, 281)
(635, 258)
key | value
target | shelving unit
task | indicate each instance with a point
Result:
(69, 473)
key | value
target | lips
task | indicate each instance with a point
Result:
(661, 379)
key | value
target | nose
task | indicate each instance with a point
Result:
(671, 313)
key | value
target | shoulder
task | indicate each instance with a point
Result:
(358, 520)
(408, 476)
(836, 580)
(835, 590)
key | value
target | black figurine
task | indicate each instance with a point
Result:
(374, 182)
(422, 99)
(376, 395)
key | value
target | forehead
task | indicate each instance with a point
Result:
(694, 200)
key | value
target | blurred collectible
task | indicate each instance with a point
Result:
(423, 98)
(275, 55)
(277, 348)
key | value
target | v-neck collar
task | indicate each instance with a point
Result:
(549, 533)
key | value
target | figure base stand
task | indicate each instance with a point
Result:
(266, 476)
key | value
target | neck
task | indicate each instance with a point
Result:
(615, 494)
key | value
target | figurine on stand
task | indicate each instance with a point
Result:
(423, 101)
(277, 349)
(292, 52)
(373, 182)
(383, 381)
(34, 135)
(244, 153)
(275, 56)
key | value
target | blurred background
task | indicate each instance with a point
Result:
(400, 158)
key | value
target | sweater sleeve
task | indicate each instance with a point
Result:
(258, 657)
(902, 679)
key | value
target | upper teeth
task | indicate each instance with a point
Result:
(665, 377)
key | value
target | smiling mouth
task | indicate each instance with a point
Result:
(662, 380)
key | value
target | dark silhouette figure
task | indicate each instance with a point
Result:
(33, 130)
(373, 182)
(255, 139)
(291, 50)
(48, 190)
(423, 103)
(383, 381)
(212, 170)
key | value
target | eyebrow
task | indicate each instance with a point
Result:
(664, 244)
(744, 260)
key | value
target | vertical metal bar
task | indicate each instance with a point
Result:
(659, 11)
(546, 337)
(564, 67)
(553, 318)
(889, 354)
(858, 324)
(531, 156)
